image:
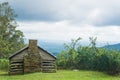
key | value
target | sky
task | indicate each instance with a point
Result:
(63, 20)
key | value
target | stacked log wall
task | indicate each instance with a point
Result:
(16, 66)
(48, 66)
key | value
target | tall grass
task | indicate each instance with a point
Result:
(4, 64)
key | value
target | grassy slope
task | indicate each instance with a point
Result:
(61, 75)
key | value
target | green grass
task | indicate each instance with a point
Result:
(60, 75)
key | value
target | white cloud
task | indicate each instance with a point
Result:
(63, 31)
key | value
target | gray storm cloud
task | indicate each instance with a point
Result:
(93, 12)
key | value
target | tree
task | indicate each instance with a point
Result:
(67, 57)
(89, 57)
(11, 39)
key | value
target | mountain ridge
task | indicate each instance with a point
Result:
(112, 47)
(56, 48)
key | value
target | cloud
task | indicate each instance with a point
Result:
(64, 32)
(92, 12)
(62, 20)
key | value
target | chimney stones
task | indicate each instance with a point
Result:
(32, 61)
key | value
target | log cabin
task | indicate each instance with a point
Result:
(32, 58)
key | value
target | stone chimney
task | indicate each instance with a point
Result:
(32, 61)
(33, 48)
(32, 43)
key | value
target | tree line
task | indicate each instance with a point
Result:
(89, 57)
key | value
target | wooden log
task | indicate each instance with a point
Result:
(12, 65)
(16, 60)
(49, 70)
(12, 70)
(48, 64)
(16, 67)
(17, 72)
(48, 61)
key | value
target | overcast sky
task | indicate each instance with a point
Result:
(62, 20)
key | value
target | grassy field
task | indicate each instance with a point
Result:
(60, 75)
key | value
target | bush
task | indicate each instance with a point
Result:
(4, 64)
(90, 58)
(114, 62)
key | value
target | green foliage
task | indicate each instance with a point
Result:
(66, 58)
(4, 64)
(90, 58)
(4, 45)
(11, 39)
(60, 75)
(62, 60)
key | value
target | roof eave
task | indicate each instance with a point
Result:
(27, 47)
(18, 52)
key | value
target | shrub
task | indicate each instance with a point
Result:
(90, 58)
(4, 64)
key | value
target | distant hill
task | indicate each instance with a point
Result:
(54, 48)
(114, 46)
